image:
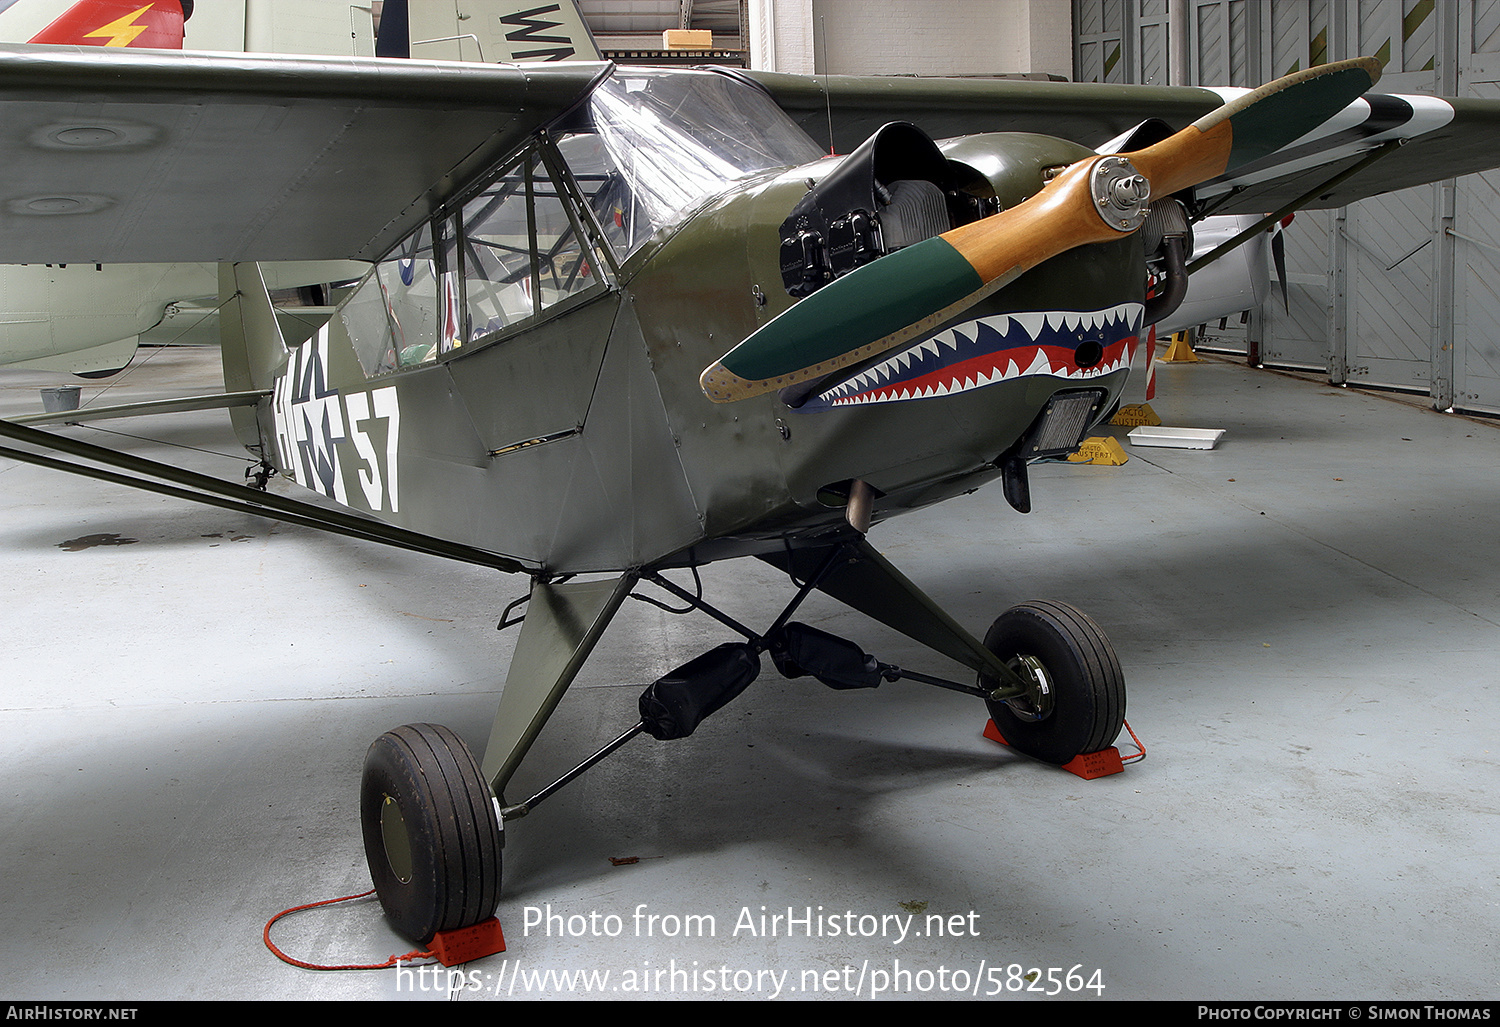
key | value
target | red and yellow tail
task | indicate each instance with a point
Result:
(150, 23)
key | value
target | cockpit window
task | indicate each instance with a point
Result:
(509, 255)
(521, 253)
(648, 148)
(652, 144)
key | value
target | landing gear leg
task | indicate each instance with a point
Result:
(432, 827)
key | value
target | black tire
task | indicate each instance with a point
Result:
(431, 831)
(1088, 688)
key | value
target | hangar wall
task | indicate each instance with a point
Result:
(1400, 291)
(912, 37)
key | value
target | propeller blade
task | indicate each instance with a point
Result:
(907, 293)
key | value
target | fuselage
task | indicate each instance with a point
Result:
(552, 411)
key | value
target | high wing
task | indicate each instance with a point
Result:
(1436, 137)
(1424, 139)
(198, 157)
(1083, 112)
(136, 155)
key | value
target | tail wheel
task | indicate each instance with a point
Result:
(431, 830)
(1077, 700)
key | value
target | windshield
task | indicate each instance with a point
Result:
(653, 143)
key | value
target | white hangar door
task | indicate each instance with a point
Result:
(1389, 260)
(1476, 230)
(1390, 269)
(1296, 329)
(1295, 35)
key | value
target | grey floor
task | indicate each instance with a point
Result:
(1308, 617)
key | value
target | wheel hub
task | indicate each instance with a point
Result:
(397, 842)
(1036, 703)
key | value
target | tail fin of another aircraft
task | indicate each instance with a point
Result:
(493, 31)
(148, 23)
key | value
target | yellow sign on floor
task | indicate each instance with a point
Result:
(1133, 415)
(1102, 450)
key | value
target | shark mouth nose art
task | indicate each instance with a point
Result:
(1068, 344)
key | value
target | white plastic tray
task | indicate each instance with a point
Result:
(1176, 438)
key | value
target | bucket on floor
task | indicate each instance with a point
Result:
(60, 398)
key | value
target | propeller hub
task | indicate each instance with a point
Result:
(1121, 194)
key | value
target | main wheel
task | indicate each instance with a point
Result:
(431, 831)
(1077, 700)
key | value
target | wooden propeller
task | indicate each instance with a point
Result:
(910, 292)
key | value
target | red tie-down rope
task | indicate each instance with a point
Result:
(1128, 759)
(266, 935)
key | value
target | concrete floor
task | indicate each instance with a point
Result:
(1308, 617)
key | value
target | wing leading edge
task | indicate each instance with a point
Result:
(138, 156)
(117, 155)
(1438, 137)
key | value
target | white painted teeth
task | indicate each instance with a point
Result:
(1118, 321)
(1031, 324)
(1039, 365)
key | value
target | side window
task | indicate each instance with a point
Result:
(626, 225)
(495, 245)
(513, 250)
(393, 316)
(563, 261)
(521, 251)
(369, 326)
(410, 284)
(450, 288)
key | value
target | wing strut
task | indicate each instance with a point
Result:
(203, 488)
(1285, 209)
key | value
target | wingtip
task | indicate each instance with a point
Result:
(1333, 82)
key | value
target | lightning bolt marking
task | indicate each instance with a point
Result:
(121, 31)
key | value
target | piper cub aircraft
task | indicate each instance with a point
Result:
(622, 322)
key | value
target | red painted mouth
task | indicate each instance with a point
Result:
(1073, 345)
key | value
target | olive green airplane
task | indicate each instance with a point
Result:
(620, 323)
